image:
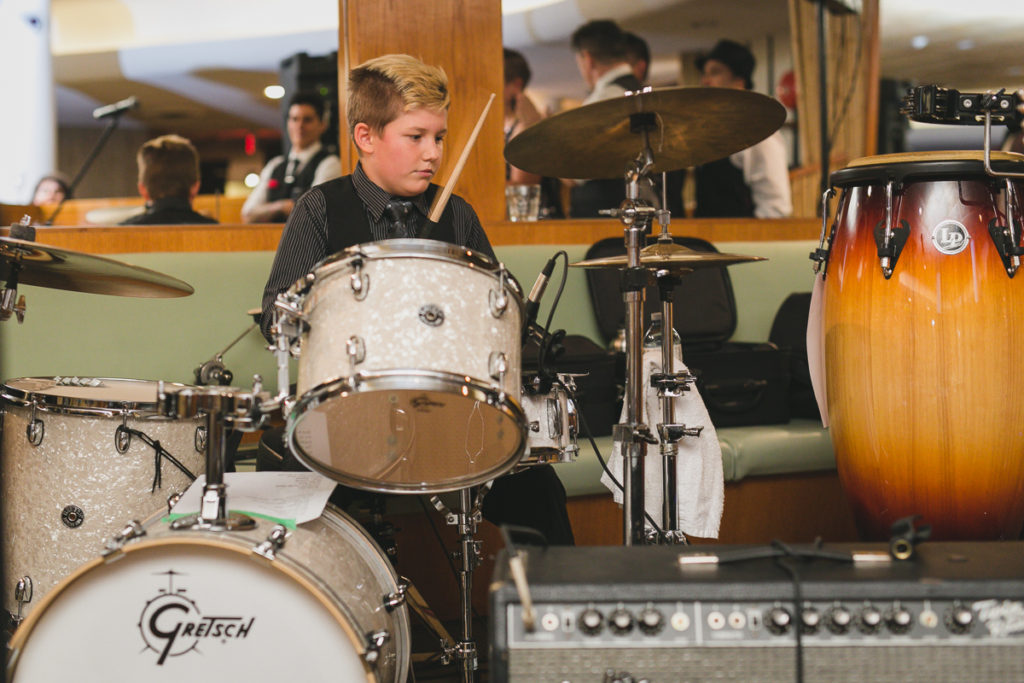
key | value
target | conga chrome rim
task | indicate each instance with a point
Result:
(411, 380)
(37, 396)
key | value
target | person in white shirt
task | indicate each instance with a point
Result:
(286, 178)
(753, 182)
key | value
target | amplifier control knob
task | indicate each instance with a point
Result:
(591, 621)
(650, 621)
(838, 619)
(620, 621)
(870, 619)
(778, 620)
(959, 619)
(899, 619)
(810, 620)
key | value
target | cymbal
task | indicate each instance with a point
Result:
(42, 265)
(672, 257)
(692, 126)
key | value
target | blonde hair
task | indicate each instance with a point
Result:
(383, 88)
(168, 167)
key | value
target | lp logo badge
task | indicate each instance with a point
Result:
(950, 237)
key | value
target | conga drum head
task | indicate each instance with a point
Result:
(921, 326)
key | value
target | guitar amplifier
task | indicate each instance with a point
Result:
(953, 612)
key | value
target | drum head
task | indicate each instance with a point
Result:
(430, 433)
(958, 165)
(85, 395)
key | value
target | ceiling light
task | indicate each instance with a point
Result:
(252, 179)
(919, 42)
(274, 92)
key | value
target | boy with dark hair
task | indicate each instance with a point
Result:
(285, 178)
(398, 120)
(168, 181)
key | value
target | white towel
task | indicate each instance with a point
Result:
(699, 479)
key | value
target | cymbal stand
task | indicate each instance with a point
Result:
(670, 385)
(632, 435)
(469, 557)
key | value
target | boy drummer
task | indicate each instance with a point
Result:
(398, 120)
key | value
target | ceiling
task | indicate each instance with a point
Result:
(205, 79)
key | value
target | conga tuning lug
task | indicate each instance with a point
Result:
(890, 243)
(1009, 251)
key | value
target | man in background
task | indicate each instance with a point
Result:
(753, 182)
(168, 181)
(308, 163)
(638, 54)
(600, 48)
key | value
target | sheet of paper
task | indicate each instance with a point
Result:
(283, 495)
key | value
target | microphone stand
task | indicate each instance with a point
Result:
(107, 132)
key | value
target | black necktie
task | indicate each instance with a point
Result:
(399, 211)
(293, 167)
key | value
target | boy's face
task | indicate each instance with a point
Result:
(404, 157)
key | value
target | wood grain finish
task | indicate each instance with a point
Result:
(463, 38)
(923, 369)
(264, 237)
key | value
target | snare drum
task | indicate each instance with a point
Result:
(76, 465)
(552, 427)
(409, 372)
(235, 606)
(922, 326)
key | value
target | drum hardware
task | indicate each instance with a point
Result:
(431, 314)
(26, 262)
(905, 537)
(72, 516)
(497, 364)
(274, 542)
(22, 595)
(221, 406)
(35, 429)
(213, 371)
(467, 518)
(359, 281)
(1006, 239)
(820, 255)
(497, 299)
(375, 643)
(130, 531)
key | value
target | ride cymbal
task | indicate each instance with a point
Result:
(42, 265)
(688, 126)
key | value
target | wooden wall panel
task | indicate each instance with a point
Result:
(464, 38)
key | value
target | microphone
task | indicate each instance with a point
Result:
(116, 108)
(533, 301)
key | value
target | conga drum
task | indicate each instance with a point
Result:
(923, 321)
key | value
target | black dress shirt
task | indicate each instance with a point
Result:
(168, 211)
(304, 240)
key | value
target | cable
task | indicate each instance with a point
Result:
(160, 453)
(604, 466)
(786, 552)
(545, 344)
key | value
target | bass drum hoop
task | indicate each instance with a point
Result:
(78, 405)
(392, 380)
(225, 541)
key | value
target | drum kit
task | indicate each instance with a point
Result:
(460, 414)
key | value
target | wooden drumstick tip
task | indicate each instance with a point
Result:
(442, 197)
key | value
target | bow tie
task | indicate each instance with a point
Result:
(399, 212)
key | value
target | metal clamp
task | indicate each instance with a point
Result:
(672, 433)
(396, 598)
(131, 530)
(275, 541)
(374, 643)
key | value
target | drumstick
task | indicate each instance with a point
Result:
(442, 198)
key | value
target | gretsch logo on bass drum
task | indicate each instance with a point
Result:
(950, 237)
(171, 624)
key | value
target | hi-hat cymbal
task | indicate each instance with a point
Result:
(691, 126)
(42, 265)
(672, 257)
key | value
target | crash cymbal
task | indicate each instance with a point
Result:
(42, 265)
(691, 126)
(671, 257)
